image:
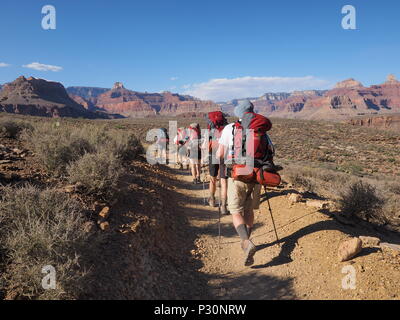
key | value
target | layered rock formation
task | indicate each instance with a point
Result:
(139, 104)
(348, 99)
(39, 97)
(86, 93)
(348, 84)
(391, 122)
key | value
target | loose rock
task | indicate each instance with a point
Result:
(105, 212)
(104, 226)
(317, 204)
(370, 241)
(295, 198)
(349, 249)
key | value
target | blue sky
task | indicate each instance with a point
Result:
(214, 49)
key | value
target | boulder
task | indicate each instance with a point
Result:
(295, 198)
(349, 249)
(370, 241)
(318, 204)
(391, 246)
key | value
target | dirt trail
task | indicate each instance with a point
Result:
(303, 265)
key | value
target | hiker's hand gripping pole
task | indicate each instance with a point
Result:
(272, 217)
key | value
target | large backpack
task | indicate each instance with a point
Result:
(193, 132)
(216, 122)
(254, 145)
(181, 136)
(164, 137)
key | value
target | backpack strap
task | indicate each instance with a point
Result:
(233, 142)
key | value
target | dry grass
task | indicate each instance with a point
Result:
(97, 173)
(40, 228)
(361, 200)
(10, 128)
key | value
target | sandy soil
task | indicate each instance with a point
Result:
(302, 265)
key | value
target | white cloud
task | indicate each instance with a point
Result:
(173, 78)
(228, 89)
(42, 67)
(3, 65)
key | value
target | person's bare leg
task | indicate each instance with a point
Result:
(212, 189)
(224, 190)
(193, 170)
(238, 220)
(213, 186)
(198, 170)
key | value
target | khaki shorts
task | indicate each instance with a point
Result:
(243, 197)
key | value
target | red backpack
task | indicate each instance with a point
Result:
(215, 124)
(181, 136)
(255, 145)
(193, 133)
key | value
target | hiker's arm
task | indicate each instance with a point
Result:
(220, 152)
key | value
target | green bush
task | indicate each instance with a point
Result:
(97, 173)
(361, 200)
(40, 228)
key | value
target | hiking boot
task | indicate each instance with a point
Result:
(249, 249)
(224, 209)
(211, 202)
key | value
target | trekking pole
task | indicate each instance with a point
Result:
(204, 184)
(272, 217)
(219, 204)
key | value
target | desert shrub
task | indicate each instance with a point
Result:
(299, 179)
(56, 147)
(40, 228)
(123, 146)
(391, 214)
(12, 128)
(395, 188)
(97, 173)
(362, 200)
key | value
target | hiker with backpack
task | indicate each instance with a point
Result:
(215, 124)
(162, 145)
(180, 141)
(193, 145)
(248, 155)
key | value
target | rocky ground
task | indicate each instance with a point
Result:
(161, 240)
(303, 264)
